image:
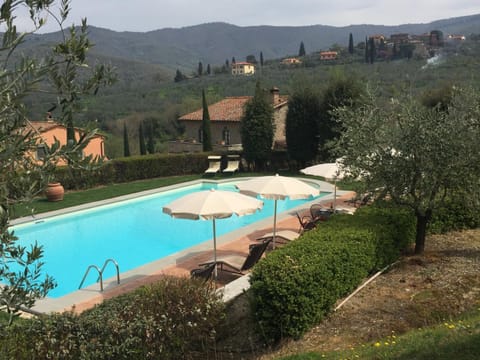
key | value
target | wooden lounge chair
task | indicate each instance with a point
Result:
(214, 164)
(203, 273)
(239, 264)
(360, 199)
(281, 236)
(233, 164)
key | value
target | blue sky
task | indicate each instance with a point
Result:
(146, 15)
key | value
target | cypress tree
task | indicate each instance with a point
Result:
(371, 50)
(367, 53)
(200, 68)
(301, 125)
(141, 139)
(301, 51)
(126, 146)
(150, 141)
(257, 129)
(179, 76)
(350, 44)
(261, 58)
(209, 71)
(207, 135)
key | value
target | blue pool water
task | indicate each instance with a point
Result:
(133, 232)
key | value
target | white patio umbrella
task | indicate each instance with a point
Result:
(331, 172)
(211, 205)
(277, 188)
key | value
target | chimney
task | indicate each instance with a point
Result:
(275, 93)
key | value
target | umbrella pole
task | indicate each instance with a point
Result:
(274, 224)
(335, 195)
(215, 249)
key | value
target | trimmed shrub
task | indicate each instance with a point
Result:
(457, 213)
(131, 169)
(175, 318)
(298, 284)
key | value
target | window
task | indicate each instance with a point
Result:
(41, 151)
(200, 135)
(226, 136)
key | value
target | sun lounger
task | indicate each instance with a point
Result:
(233, 164)
(239, 264)
(204, 273)
(281, 236)
(214, 164)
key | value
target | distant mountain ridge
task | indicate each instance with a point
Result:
(213, 43)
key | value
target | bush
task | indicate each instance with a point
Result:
(175, 318)
(298, 284)
(131, 169)
(458, 213)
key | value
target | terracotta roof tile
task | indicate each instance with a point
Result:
(228, 109)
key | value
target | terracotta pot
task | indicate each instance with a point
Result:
(54, 192)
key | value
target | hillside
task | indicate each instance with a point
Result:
(213, 43)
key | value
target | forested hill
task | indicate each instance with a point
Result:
(213, 43)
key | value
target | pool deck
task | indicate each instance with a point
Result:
(181, 263)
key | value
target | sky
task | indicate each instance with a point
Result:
(147, 15)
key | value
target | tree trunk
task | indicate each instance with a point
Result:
(422, 221)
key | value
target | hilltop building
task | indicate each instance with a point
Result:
(243, 68)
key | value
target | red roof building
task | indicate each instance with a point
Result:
(226, 116)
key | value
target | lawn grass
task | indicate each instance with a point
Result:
(73, 198)
(456, 339)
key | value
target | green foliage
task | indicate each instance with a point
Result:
(174, 318)
(257, 128)
(21, 175)
(438, 97)
(459, 212)
(418, 156)
(301, 50)
(68, 58)
(350, 44)
(126, 145)
(179, 76)
(152, 166)
(301, 126)
(298, 284)
(141, 137)
(206, 128)
(343, 90)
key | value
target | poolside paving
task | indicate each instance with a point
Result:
(235, 243)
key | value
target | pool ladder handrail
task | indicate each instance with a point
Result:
(100, 272)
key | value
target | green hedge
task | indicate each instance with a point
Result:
(298, 284)
(175, 318)
(133, 168)
(457, 213)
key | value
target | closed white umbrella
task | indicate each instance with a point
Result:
(277, 188)
(330, 171)
(212, 205)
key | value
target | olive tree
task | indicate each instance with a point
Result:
(417, 155)
(21, 175)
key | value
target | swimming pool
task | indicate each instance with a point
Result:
(134, 232)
